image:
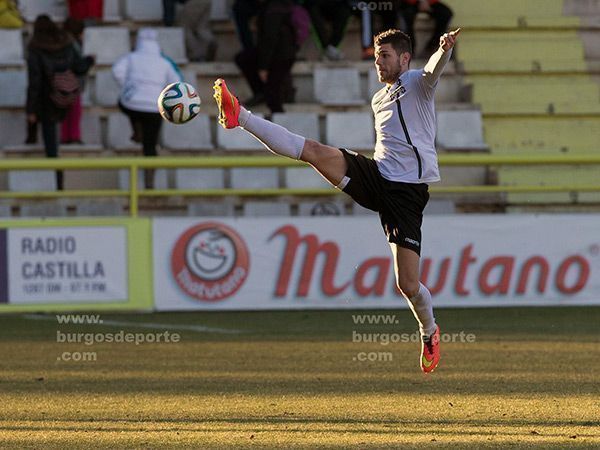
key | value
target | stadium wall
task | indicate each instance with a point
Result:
(75, 265)
(171, 264)
(336, 262)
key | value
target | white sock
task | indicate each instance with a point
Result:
(276, 138)
(422, 307)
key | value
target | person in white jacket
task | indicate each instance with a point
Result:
(142, 75)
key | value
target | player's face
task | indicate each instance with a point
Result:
(390, 64)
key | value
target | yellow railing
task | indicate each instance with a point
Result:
(134, 164)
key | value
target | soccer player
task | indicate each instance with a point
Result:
(395, 182)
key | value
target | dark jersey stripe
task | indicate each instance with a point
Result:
(405, 128)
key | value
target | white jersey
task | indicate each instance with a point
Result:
(405, 124)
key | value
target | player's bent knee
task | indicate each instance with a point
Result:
(409, 288)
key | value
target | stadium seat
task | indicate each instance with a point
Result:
(220, 9)
(548, 94)
(266, 209)
(353, 130)
(5, 210)
(31, 180)
(107, 44)
(304, 178)
(237, 139)
(460, 130)
(195, 135)
(144, 10)
(111, 11)
(337, 86)
(161, 179)
(543, 134)
(12, 128)
(106, 88)
(199, 179)
(438, 207)
(211, 209)
(15, 95)
(321, 208)
(254, 178)
(172, 43)
(304, 124)
(373, 82)
(45, 209)
(90, 208)
(56, 9)
(91, 134)
(358, 210)
(119, 133)
(11, 50)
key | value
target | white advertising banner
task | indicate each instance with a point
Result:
(345, 262)
(66, 264)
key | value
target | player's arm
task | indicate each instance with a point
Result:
(435, 66)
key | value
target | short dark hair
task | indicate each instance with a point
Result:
(400, 41)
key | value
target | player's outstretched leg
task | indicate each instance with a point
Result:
(275, 137)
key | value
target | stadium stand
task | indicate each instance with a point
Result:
(524, 80)
(536, 91)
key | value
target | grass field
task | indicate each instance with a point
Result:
(294, 380)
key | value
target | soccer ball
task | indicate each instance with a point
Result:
(179, 103)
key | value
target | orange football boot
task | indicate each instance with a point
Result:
(430, 351)
(229, 106)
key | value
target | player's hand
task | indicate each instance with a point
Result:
(448, 40)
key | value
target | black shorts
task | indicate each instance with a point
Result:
(400, 205)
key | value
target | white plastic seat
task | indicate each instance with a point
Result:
(106, 44)
(304, 178)
(337, 86)
(106, 88)
(199, 179)
(237, 139)
(352, 130)
(254, 178)
(460, 130)
(31, 180)
(11, 50)
(144, 10)
(266, 209)
(14, 88)
(194, 135)
(303, 124)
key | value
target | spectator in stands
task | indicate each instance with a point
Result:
(169, 11)
(53, 65)
(70, 132)
(268, 66)
(9, 15)
(200, 42)
(388, 15)
(337, 13)
(243, 11)
(438, 11)
(142, 75)
(89, 11)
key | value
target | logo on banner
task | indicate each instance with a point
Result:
(210, 261)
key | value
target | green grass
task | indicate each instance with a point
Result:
(289, 380)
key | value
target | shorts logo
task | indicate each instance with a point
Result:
(210, 262)
(412, 241)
